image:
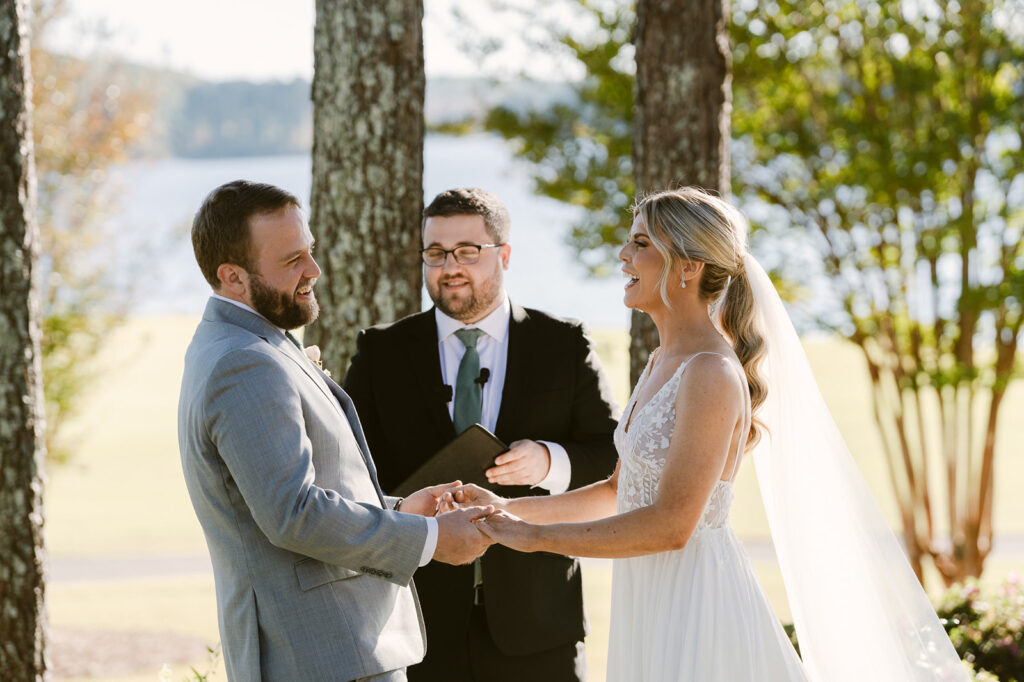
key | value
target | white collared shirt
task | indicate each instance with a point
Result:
(492, 346)
(431, 543)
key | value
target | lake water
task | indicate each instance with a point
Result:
(158, 199)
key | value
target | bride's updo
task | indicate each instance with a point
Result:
(689, 224)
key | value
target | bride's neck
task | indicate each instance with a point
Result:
(684, 329)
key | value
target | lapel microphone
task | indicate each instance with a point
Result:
(449, 393)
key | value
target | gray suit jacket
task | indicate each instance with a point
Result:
(313, 571)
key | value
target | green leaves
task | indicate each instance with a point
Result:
(87, 115)
(582, 149)
(893, 127)
(887, 131)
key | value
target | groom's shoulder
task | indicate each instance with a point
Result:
(216, 337)
(214, 340)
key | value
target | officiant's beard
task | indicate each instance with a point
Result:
(280, 307)
(480, 300)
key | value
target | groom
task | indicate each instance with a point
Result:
(313, 565)
(532, 379)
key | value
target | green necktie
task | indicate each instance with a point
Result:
(468, 405)
(467, 387)
(295, 341)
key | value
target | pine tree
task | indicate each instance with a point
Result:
(367, 193)
(22, 615)
(681, 113)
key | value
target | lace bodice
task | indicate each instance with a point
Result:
(643, 449)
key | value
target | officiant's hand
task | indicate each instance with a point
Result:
(509, 530)
(526, 463)
(427, 502)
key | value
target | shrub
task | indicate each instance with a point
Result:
(986, 627)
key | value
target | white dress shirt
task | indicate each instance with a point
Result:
(431, 544)
(492, 346)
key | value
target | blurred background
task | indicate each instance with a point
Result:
(142, 108)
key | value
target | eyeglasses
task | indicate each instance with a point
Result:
(465, 254)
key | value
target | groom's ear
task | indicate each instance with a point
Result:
(233, 280)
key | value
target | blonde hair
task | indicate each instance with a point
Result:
(689, 224)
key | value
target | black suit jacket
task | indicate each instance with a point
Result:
(554, 390)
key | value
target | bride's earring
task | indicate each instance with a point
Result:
(682, 283)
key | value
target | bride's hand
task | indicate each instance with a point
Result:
(509, 530)
(471, 495)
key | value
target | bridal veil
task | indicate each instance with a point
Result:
(859, 610)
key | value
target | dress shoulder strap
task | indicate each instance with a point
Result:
(705, 352)
(747, 416)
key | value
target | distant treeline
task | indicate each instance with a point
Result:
(242, 119)
(202, 119)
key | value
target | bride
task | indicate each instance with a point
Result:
(686, 604)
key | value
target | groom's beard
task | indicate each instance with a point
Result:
(280, 307)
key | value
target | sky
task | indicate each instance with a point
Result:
(248, 39)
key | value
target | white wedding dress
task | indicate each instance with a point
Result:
(696, 614)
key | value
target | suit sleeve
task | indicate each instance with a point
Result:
(255, 420)
(595, 414)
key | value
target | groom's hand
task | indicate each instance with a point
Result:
(425, 502)
(458, 540)
(526, 463)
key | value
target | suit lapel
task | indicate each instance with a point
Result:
(349, 408)
(424, 356)
(304, 363)
(515, 376)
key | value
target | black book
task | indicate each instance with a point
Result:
(465, 458)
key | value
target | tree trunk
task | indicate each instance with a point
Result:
(683, 105)
(22, 615)
(367, 193)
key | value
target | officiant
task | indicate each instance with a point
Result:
(532, 379)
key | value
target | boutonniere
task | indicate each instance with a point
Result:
(313, 353)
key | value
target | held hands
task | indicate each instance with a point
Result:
(469, 495)
(526, 463)
(427, 502)
(499, 526)
(509, 530)
(458, 539)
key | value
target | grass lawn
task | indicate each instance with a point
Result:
(178, 615)
(122, 494)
